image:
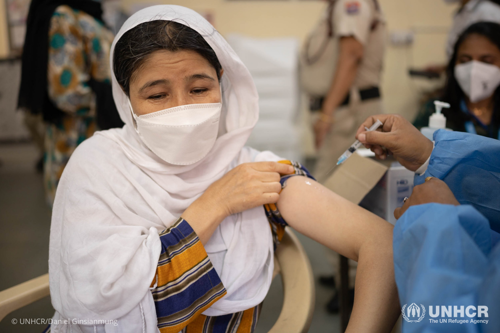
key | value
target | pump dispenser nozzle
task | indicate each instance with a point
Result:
(439, 105)
(438, 120)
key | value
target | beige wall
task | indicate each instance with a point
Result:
(255, 18)
(429, 19)
(4, 41)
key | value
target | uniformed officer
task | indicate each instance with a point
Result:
(342, 74)
(341, 68)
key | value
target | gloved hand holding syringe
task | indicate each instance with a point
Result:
(357, 144)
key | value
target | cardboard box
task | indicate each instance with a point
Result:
(389, 193)
(355, 178)
(380, 187)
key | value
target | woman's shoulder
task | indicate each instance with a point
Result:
(97, 168)
(98, 151)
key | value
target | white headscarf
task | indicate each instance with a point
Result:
(116, 195)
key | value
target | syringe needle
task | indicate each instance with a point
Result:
(357, 144)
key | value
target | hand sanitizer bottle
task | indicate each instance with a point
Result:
(436, 121)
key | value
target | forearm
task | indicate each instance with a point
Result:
(204, 217)
(376, 304)
(182, 254)
(347, 68)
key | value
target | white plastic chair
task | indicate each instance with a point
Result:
(290, 261)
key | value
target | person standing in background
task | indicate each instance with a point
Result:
(66, 77)
(341, 68)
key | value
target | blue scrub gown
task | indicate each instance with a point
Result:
(448, 255)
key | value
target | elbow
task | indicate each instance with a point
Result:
(355, 55)
(379, 245)
(351, 49)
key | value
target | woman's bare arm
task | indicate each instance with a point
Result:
(344, 227)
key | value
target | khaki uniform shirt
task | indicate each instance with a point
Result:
(363, 20)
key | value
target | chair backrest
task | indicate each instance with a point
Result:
(298, 286)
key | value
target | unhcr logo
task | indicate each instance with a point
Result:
(442, 314)
(413, 313)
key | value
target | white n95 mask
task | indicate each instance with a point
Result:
(181, 135)
(477, 79)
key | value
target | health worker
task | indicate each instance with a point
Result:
(446, 241)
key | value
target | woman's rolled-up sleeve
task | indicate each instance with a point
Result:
(186, 283)
(276, 221)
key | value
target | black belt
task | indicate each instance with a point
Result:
(316, 103)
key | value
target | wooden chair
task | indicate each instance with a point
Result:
(290, 261)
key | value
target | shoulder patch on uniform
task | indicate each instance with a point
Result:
(352, 8)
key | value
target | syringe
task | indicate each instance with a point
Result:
(357, 144)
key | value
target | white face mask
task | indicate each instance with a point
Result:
(181, 135)
(477, 79)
